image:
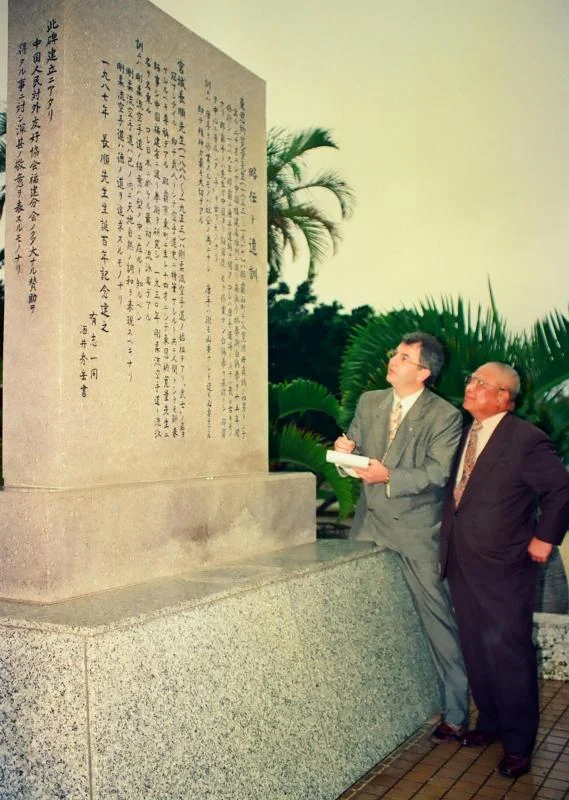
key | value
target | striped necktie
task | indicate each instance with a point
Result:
(394, 420)
(469, 462)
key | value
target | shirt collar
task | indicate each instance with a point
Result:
(407, 402)
(490, 424)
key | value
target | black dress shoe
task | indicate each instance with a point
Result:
(478, 738)
(446, 732)
(512, 766)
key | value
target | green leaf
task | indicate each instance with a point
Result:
(307, 450)
(300, 396)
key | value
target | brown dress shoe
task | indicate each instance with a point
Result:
(478, 739)
(512, 766)
(445, 732)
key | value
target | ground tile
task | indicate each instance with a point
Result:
(399, 794)
(492, 791)
(552, 794)
(405, 785)
(421, 772)
(480, 769)
(382, 780)
(457, 794)
(433, 758)
(520, 793)
(554, 783)
(440, 783)
(559, 774)
(451, 770)
(467, 785)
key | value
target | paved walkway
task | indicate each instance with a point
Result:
(419, 769)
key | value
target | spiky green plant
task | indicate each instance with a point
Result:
(470, 336)
(291, 445)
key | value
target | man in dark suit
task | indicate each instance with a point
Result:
(492, 541)
(411, 436)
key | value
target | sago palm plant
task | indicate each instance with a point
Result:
(291, 445)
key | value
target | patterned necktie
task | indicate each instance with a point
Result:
(394, 421)
(469, 461)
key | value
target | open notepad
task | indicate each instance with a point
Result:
(347, 461)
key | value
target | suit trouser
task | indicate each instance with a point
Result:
(432, 601)
(495, 621)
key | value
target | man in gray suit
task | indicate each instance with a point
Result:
(411, 436)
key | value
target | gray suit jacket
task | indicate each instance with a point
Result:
(419, 461)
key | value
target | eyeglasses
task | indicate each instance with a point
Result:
(480, 384)
(405, 358)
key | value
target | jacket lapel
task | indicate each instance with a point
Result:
(381, 423)
(488, 457)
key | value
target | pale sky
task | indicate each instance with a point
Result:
(453, 125)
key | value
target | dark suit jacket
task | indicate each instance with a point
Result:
(419, 461)
(497, 516)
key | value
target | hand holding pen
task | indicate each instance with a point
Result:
(344, 444)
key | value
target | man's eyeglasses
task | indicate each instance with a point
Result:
(480, 384)
(405, 358)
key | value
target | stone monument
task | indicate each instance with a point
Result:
(135, 370)
(169, 628)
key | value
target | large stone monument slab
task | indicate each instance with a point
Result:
(135, 370)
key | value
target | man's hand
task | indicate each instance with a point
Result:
(375, 473)
(344, 445)
(539, 550)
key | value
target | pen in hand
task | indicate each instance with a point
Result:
(345, 435)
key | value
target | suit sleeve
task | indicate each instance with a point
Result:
(544, 473)
(435, 469)
(355, 431)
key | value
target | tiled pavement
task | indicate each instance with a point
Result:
(419, 769)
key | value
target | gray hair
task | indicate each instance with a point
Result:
(511, 377)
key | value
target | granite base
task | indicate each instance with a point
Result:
(284, 676)
(551, 633)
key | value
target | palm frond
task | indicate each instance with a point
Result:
(304, 449)
(299, 396)
(286, 150)
(365, 360)
(331, 181)
(470, 338)
(546, 350)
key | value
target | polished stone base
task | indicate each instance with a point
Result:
(57, 544)
(284, 676)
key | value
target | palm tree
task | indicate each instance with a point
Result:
(293, 215)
